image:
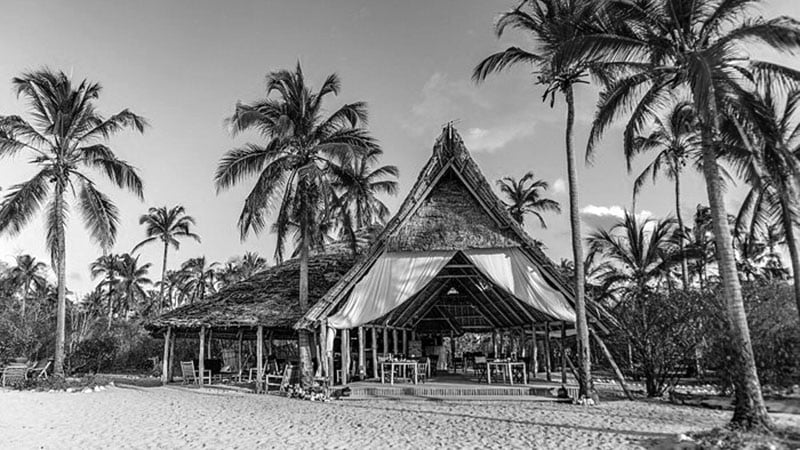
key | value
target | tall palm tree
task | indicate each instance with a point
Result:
(675, 139)
(27, 273)
(360, 183)
(197, 278)
(107, 267)
(550, 23)
(66, 138)
(167, 226)
(293, 168)
(132, 282)
(669, 45)
(525, 197)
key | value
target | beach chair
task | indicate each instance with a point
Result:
(14, 373)
(192, 376)
(422, 372)
(480, 367)
(39, 370)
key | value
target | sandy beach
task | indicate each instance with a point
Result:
(176, 417)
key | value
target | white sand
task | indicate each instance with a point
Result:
(175, 417)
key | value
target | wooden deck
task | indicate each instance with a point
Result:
(461, 387)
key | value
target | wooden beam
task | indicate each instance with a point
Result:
(374, 336)
(395, 347)
(563, 352)
(171, 363)
(405, 342)
(165, 362)
(259, 357)
(323, 350)
(362, 362)
(331, 356)
(385, 340)
(547, 356)
(617, 372)
(239, 353)
(453, 352)
(345, 355)
(201, 358)
(535, 352)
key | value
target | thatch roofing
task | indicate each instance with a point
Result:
(268, 298)
(412, 227)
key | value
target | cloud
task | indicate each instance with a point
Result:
(604, 217)
(492, 139)
(559, 186)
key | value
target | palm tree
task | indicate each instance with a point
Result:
(197, 279)
(250, 264)
(132, 282)
(766, 154)
(525, 197)
(675, 139)
(294, 167)
(166, 225)
(671, 45)
(550, 23)
(360, 183)
(107, 267)
(66, 138)
(27, 273)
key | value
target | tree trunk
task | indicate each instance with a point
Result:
(749, 411)
(163, 277)
(60, 256)
(110, 282)
(679, 216)
(25, 295)
(584, 360)
(304, 342)
(791, 241)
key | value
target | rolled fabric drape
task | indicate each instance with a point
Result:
(394, 278)
(514, 272)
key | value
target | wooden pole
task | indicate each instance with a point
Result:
(165, 362)
(239, 353)
(405, 342)
(535, 352)
(547, 356)
(270, 350)
(208, 341)
(259, 357)
(494, 343)
(345, 355)
(617, 373)
(374, 336)
(385, 340)
(395, 346)
(452, 352)
(362, 361)
(171, 363)
(323, 346)
(332, 359)
(524, 349)
(563, 352)
(201, 360)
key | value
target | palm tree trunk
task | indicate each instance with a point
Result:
(60, 256)
(110, 281)
(679, 216)
(304, 341)
(581, 327)
(163, 277)
(25, 294)
(791, 241)
(749, 410)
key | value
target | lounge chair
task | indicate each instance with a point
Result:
(39, 370)
(14, 373)
(192, 376)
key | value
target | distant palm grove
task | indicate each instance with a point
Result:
(712, 295)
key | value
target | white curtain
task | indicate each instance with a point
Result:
(514, 272)
(393, 279)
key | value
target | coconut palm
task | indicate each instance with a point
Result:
(360, 183)
(549, 23)
(676, 142)
(250, 264)
(525, 197)
(167, 226)
(132, 281)
(106, 267)
(668, 46)
(294, 167)
(27, 273)
(197, 278)
(66, 140)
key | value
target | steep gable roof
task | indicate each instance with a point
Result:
(450, 159)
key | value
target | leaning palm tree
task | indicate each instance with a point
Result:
(525, 197)
(27, 273)
(293, 167)
(167, 226)
(66, 140)
(669, 45)
(550, 23)
(676, 142)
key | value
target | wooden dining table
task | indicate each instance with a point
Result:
(401, 364)
(507, 367)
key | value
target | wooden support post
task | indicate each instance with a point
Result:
(524, 349)
(239, 353)
(405, 342)
(395, 346)
(385, 340)
(534, 352)
(323, 350)
(374, 337)
(201, 359)
(345, 355)
(165, 362)
(270, 350)
(331, 358)
(362, 361)
(617, 372)
(494, 343)
(209, 340)
(316, 350)
(259, 357)
(563, 352)
(171, 362)
(547, 356)
(453, 352)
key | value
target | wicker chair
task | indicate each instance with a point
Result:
(192, 376)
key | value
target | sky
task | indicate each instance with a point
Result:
(183, 65)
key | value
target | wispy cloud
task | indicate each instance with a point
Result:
(604, 217)
(492, 139)
(559, 186)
